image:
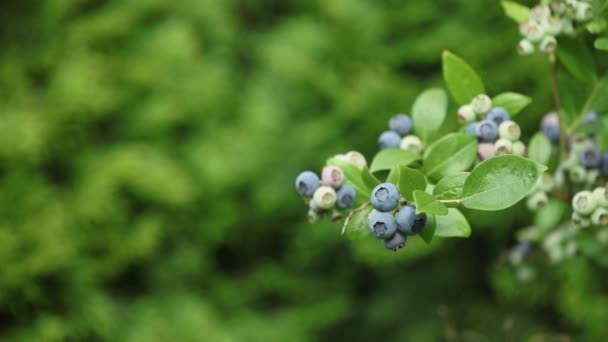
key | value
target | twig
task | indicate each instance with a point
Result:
(557, 102)
(351, 214)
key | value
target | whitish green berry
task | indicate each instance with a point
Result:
(482, 104)
(600, 217)
(537, 200)
(466, 114)
(577, 174)
(548, 44)
(313, 216)
(580, 221)
(584, 11)
(356, 158)
(411, 143)
(325, 197)
(509, 130)
(546, 182)
(525, 47)
(601, 196)
(519, 149)
(584, 203)
(553, 26)
(503, 146)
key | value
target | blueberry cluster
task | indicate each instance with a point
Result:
(398, 135)
(590, 208)
(390, 221)
(493, 127)
(328, 194)
(550, 19)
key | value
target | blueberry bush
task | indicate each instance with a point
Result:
(149, 148)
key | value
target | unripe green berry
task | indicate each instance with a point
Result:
(534, 32)
(553, 26)
(600, 217)
(545, 183)
(548, 44)
(592, 176)
(482, 104)
(601, 196)
(525, 47)
(584, 11)
(584, 203)
(357, 159)
(313, 216)
(411, 143)
(466, 114)
(577, 174)
(567, 27)
(537, 200)
(509, 130)
(580, 221)
(503, 146)
(519, 149)
(325, 197)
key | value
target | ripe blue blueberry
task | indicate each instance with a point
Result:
(346, 196)
(487, 131)
(400, 124)
(472, 128)
(590, 117)
(498, 115)
(395, 243)
(405, 219)
(385, 197)
(419, 223)
(306, 183)
(550, 127)
(382, 225)
(389, 139)
(591, 158)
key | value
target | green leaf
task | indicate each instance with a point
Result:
(462, 81)
(601, 43)
(357, 226)
(540, 149)
(368, 178)
(429, 112)
(454, 224)
(387, 158)
(450, 187)
(426, 203)
(549, 217)
(515, 11)
(407, 180)
(428, 232)
(577, 59)
(500, 182)
(573, 95)
(453, 153)
(355, 176)
(512, 102)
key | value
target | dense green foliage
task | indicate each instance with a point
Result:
(148, 150)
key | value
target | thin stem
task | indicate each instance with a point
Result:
(557, 102)
(351, 214)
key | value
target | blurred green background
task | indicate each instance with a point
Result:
(147, 155)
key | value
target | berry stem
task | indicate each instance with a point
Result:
(352, 213)
(557, 102)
